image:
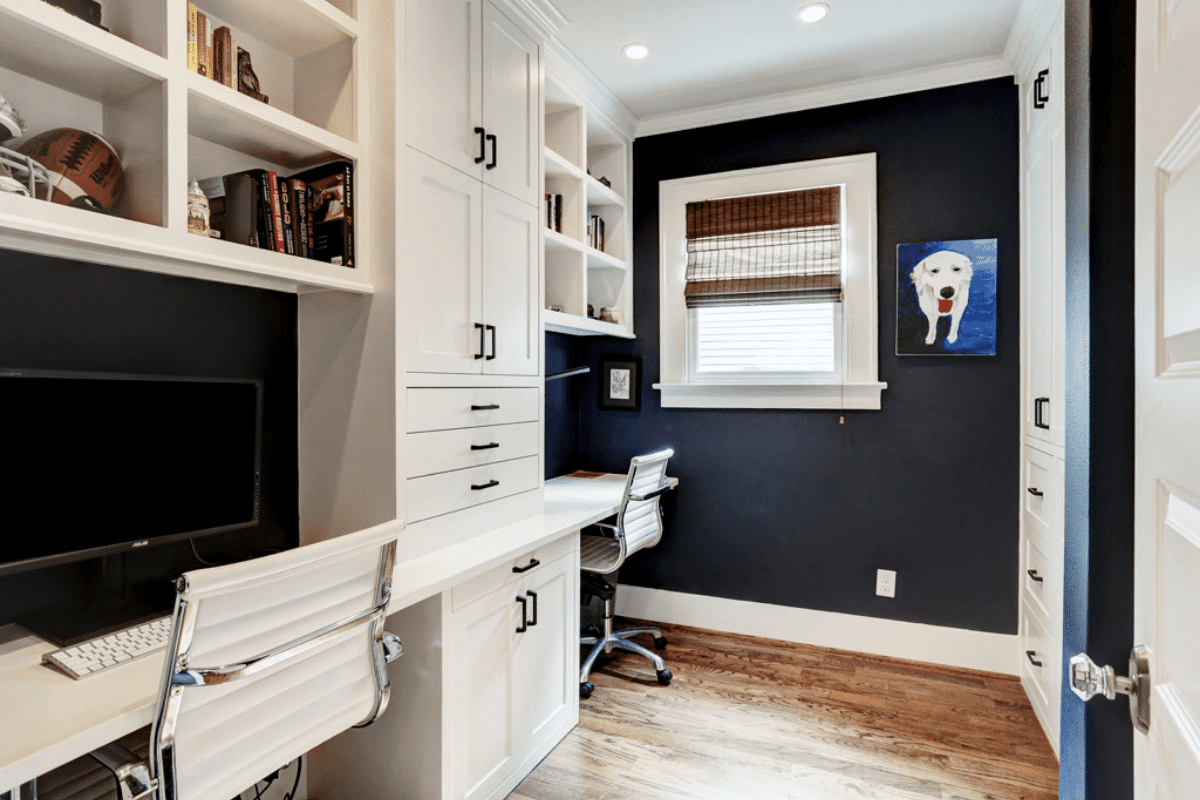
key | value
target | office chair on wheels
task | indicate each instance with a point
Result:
(267, 659)
(604, 548)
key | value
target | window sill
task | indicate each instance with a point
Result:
(831, 396)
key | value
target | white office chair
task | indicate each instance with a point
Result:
(604, 548)
(267, 659)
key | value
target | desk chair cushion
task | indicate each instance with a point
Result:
(227, 736)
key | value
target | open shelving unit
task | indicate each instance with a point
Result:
(581, 149)
(169, 125)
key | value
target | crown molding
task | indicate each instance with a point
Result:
(569, 71)
(829, 95)
(1032, 29)
(541, 15)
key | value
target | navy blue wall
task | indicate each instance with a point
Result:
(789, 507)
(67, 315)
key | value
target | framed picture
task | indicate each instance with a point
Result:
(620, 383)
(946, 298)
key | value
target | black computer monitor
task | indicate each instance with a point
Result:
(93, 464)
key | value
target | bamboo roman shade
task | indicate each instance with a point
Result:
(765, 249)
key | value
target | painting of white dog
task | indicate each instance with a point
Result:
(946, 298)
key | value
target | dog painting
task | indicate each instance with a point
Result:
(946, 298)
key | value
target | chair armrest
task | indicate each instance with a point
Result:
(651, 495)
(130, 772)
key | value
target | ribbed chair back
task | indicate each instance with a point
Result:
(268, 659)
(641, 520)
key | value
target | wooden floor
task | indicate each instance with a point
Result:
(761, 719)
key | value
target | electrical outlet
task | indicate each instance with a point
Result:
(885, 583)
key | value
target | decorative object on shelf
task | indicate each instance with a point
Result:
(591, 312)
(85, 171)
(198, 211)
(621, 383)
(247, 80)
(87, 10)
(610, 315)
(605, 182)
(553, 307)
(953, 281)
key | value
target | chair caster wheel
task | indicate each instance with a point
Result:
(660, 643)
(587, 687)
(664, 677)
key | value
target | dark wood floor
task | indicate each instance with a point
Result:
(761, 719)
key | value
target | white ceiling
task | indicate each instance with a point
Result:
(713, 52)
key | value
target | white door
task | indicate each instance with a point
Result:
(547, 656)
(511, 98)
(1167, 290)
(443, 276)
(510, 285)
(444, 69)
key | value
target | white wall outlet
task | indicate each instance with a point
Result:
(885, 583)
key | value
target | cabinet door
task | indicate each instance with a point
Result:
(1039, 286)
(1056, 414)
(445, 93)
(511, 68)
(510, 284)
(547, 655)
(483, 747)
(444, 271)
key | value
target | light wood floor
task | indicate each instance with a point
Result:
(758, 719)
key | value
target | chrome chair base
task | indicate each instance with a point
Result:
(611, 640)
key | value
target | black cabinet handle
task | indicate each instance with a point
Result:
(1036, 492)
(1040, 95)
(1033, 574)
(492, 407)
(533, 562)
(482, 333)
(1030, 655)
(492, 164)
(533, 594)
(482, 146)
(1038, 410)
(492, 328)
(488, 446)
(475, 487)
(524, 620)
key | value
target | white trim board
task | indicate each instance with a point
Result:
(955, 647)
(831, 95)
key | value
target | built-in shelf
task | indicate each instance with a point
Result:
(558, 166)
(559, 322)
(600, 259)
(294, 27)
(600, 195)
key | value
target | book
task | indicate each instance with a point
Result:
(549, 211)
(266, 217)
(285, 212)
(223, 71)
(242, 207)
(231, 67)
(298, 200)
(202, 43)
(558, 212)
(275, 211)
(193, 53)
(331, 200)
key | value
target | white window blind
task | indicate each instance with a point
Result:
(777, 338)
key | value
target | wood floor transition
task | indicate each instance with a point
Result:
(758, 719)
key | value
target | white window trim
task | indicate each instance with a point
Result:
(861, 387)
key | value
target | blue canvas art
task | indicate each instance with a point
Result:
(946, 298)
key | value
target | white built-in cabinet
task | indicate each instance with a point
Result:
(1043, 378)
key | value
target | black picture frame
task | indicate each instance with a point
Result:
(622, 390)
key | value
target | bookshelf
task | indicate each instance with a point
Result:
(581, 148)
(133, 86)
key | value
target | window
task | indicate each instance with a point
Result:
(768, 287)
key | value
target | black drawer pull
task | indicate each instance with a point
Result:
(489, 446)
(524, 619)
(533, 594)
(1033, 574)
(1038, 411)
(533, 562)
(482, 333)
(1035, 492)
(1030, 655)
(482, 146)
(492, 407)
(475, 487)
(492, 138)
(492, 328)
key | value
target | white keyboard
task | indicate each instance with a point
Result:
(111, 650)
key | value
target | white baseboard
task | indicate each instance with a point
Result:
(955, 647)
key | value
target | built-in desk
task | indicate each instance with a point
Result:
(50, 719)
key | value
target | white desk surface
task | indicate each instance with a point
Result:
(50, 719)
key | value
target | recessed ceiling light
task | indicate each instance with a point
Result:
(813, 12)
(636, 50)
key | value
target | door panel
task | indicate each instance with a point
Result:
(510, 106)
(1039, 293)
(544, 666)
(510, 285)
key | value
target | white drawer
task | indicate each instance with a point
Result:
(1042, 676)
(471, 590)
(444, 409)
(442, 451)
(1040, 581)
(433, 495)
(1043, 495)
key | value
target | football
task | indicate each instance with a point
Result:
(84, 169)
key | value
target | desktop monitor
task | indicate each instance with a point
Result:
(95, 464)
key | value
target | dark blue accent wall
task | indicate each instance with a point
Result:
(789, 507)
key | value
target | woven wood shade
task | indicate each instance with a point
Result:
(765, 249)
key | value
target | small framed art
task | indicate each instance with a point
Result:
(620, 383)
(946, 298)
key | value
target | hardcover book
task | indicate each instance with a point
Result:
(298, 201)
(331, 200)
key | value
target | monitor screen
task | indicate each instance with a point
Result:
(99, 463)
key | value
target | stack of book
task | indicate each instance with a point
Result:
(595, 231)
(215, 54)
(554, 212)
(310, 214)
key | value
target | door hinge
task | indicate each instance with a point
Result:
(1088, 680)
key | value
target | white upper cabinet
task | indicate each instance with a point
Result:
(473, 93)
(510, 285)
